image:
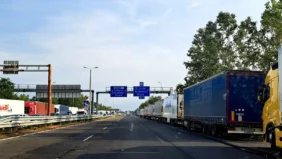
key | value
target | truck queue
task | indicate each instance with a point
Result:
(224, 103)
(19, 107)
(231, 102)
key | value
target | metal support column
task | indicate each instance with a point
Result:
(97, 95)
(49, 89)
(92, 103)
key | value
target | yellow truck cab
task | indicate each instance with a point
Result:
(268, 95)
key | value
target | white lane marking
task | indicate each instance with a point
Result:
(87, 138)
(105, 128)
(159, 139)
(131, 127)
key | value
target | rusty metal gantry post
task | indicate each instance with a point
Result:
(14, 69)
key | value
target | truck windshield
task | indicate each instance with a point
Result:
(80, 113)
(26, 110)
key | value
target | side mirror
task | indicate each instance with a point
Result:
(261, 94)
(274, 66)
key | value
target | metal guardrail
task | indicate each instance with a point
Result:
(21, 121)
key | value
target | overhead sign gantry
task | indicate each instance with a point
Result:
(13, 67)
(140, 91)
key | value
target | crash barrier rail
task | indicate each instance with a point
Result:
(22, 121)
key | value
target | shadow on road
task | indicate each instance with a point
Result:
(170, 152)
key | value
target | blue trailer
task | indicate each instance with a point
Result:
(225, 103)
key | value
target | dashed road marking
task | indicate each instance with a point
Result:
(131, 127)
(87, 138)
(159, 139)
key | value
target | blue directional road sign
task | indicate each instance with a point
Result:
(141, 84)
(86, 103)
(118, 91)
(141, 91)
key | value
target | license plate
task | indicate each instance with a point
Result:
(249, 131)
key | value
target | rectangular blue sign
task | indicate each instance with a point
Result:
(86, 103)
(141, 91)
(141, 97)
(141, 84)
(118, 91)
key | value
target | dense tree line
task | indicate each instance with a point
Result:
(6, 92)
(225, 44)
(151, 100)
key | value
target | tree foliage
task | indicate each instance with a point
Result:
(151, 100)
(23, 97)
(179, 88)
(224, 44)
(212, 49)
(6, 89)
(102, 107)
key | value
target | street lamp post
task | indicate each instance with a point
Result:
(90, 83)
(161, 85)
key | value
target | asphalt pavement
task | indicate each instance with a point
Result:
(119, 138)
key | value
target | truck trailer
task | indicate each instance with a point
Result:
(11, 107)
(172, 109)
(157, 109)
(142, 113)
(225, 104)
(150, 110)
(39, 108)
(73, 110)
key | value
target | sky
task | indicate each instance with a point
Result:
(129, 40)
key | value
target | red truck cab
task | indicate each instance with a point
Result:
(37, 108)
(29, 108)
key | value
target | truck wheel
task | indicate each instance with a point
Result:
(204, 129)
(213, 130)
(272, 139)
(189, 125)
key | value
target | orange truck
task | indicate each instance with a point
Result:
(39, 108)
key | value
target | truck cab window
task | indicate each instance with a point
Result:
(26, 110)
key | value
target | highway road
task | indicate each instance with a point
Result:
(119, 138)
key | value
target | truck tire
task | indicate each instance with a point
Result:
(204, 129)
(272, 139)
(192, 126)
(188, 125)
(213, 130)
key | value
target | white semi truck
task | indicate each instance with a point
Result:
(11, 107)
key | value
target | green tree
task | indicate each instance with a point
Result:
(154, 99)
(102, 107)
(226, 28)
(143, 105)
(7, 89)
(179, 88)
(247, 40)
(213, 49)
(271, 33)
(151, 100)
(23, 97)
